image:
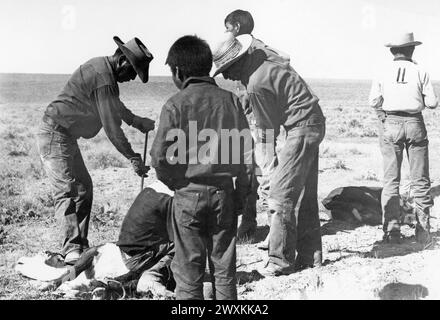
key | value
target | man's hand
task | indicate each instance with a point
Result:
(381, 114)
(244, 99)
(143, 124)
(138, 166)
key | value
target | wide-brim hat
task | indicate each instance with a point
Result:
(403, 40)
(137, 54)
(229, 50)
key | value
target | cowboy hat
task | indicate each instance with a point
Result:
(403, 40)
(229, 50)
(137, 54)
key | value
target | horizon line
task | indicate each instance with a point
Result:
(167, 76)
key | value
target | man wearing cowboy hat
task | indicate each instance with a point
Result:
(399, 95)
(280, 97)
(88, 102)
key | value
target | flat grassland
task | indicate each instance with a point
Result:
(356, 265)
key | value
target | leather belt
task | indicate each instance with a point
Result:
(402, 114)
(222, 183)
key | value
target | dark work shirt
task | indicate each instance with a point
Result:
(90, 101)
(277, 93)
(202, 102)
(146, 225)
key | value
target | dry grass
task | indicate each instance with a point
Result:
(355, 268)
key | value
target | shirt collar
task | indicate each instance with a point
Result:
(403, 59)
(111, 63)
(192, 80)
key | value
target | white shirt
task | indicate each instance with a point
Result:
(403, 86)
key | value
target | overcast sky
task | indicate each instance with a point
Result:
(325, 39)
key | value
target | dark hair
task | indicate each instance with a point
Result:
(244, 18)
(406, 51)
(191, 55)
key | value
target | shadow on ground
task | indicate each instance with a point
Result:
(260, 235)
(403, 291)
(248, 277)
(382, 250)
(332, 227)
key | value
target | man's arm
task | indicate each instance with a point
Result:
(428, 92)
(126, 115)
(142, 124)
(246, 175)
(266, 118)
(109, 109)
(375, 99)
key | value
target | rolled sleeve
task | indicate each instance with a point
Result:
(428, 92)
(375, 99)
(111, 114)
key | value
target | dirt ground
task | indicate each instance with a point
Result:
(357, 265)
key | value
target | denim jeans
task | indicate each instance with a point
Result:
(204, 227)
(296, 175)
(266, 160)
(71, 184)
(399, 134)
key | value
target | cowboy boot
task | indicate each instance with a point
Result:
(423, 226)
(392, 232)
(302, 263)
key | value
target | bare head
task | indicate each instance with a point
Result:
(239, 22)
(189, 56)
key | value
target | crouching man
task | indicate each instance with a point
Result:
(140, 259)
(146, 238)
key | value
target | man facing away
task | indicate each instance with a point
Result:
(192, 156)
(88, 102)
(399, 95)
(240, 22)
(280, 97)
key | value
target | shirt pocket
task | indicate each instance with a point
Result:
(185, 209)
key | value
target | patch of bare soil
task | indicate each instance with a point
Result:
(357, 265)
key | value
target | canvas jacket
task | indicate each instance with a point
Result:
(277, 93)
(202, 102)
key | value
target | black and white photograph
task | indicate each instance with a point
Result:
(219, 150)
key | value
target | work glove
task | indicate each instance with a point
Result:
(138, 166)
(143, 124)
